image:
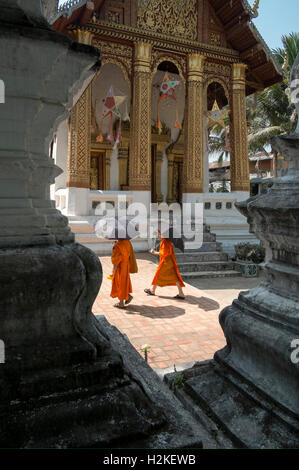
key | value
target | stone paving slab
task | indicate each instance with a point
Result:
(179, 332)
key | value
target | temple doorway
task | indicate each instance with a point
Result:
(97, 170)
(177, 185)
(167, 137)
(154, 172)
(218, 137)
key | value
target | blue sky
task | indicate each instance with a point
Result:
(276, 17)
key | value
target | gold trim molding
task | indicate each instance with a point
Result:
(162, 41)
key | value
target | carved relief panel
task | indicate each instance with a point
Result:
(116, 11)
(118, 54)
(174, 17)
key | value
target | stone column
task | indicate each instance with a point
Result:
(78, 165)
(193, 174)
(251, 386)
(170, 158)
(123, 155)
(159, 162)
(140, 136)
(238, 131)
(59, 358)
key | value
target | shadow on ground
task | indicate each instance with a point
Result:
(168, 311)
(204, 303)
(234, 283)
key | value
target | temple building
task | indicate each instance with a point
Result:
(170, 71)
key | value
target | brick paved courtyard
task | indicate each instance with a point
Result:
(179, 332)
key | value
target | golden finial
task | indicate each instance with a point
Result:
(255, 8)
(285, 66)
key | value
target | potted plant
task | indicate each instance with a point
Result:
(248, 258)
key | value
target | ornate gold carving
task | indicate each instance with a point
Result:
(178, 60)
(170, 199)
(215, 38)
(140, 136)
(113, 49)
(158, 174)
(163, 41)
(78, 165)
(94, 173)
(108, 167)
(142, 57)
(123, 156)
(239, 142)
(115, 16)
(217, 69)
(177, 182)
(81, 35)
(175, 17)
(224, 83)
(195, 67)
(193, 161)
(118, 54)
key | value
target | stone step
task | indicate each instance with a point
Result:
(209, 237)
(206, 247)
(201, 257)
(238, 411)
(186, 268)
(209, 274)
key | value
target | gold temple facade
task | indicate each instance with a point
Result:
(206, 42)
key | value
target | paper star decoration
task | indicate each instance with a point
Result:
(110, 108)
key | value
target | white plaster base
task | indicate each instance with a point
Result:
(77, 201)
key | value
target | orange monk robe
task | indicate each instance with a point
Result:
(124, 259)
(167, 273)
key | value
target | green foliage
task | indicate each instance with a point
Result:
(179, 381)
(223, 188)
(250, 252)
(289, 51)
(271, 111)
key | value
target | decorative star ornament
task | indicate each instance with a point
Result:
(216, 116)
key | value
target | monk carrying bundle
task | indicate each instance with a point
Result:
(124, 263)
(167, 273)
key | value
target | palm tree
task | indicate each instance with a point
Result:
(217, 142)
(271, 111)
(286, 56)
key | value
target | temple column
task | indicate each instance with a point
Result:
(79, 142)
(123, 155)
(108, 169)
(238, 131)
(193, 174)
(140, 135)
(78, 162)
(78, 165)
(159, 162)
(169, 199)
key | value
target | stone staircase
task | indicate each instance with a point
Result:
(207, 261)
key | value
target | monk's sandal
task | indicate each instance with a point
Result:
(129, 300)
(148, 292)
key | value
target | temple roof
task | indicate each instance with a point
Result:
(227, 21)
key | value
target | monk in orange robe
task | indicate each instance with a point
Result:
(167, 273)
(124, 263)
